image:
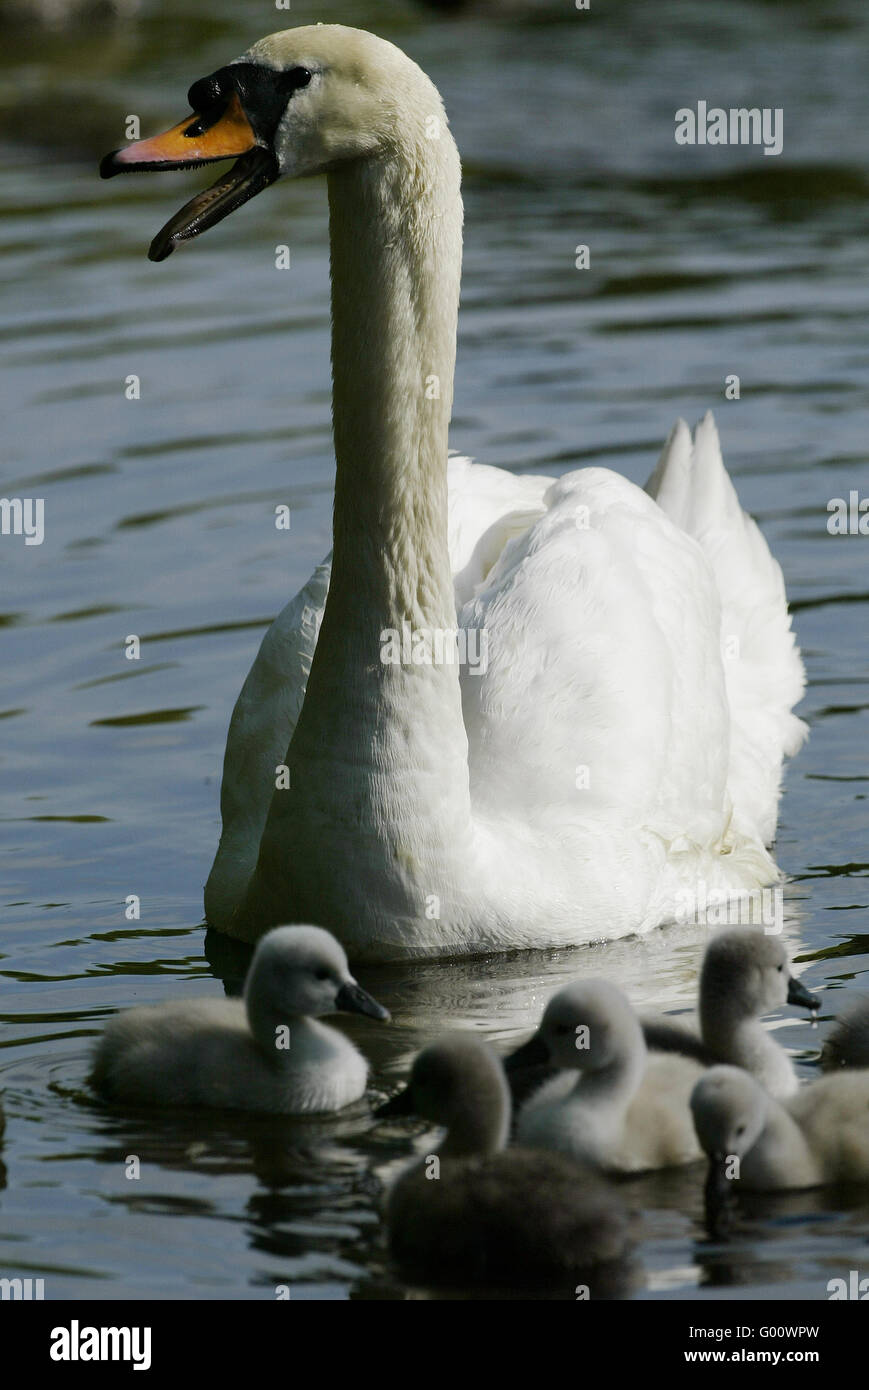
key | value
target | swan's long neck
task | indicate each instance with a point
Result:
(396, 260)
(395, 227)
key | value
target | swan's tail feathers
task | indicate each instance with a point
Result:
(764, 671)
(670, 484)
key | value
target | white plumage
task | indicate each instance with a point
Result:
(621, 754)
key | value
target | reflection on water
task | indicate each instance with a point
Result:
(159, 523)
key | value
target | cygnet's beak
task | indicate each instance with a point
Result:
(798, 994)
(353, 999)
(718, 1186)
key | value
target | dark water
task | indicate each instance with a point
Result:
(159, 523)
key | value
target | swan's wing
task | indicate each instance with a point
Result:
(762, 664)
(260, 730)
(487, 507)
(602, 706)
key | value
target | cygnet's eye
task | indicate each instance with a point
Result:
(322, 974)
(779, 968)
(740, 1129)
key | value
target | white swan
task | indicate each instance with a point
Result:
(819, 1136)
(265, 1053)
(620, 754)
(745, 974)
(626, 1112)
(474, 1213)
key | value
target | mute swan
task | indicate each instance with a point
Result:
(610, 751)
(266, 1053)
(626, 1112)
(473, 1213)
(819, 1136)
(847, 1043)
(744, 974)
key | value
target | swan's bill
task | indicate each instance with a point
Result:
(235, 113)
(353, 999)
(799, 995)
(195, 140)
(247, 177)
(201, 139)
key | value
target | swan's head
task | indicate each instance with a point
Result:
(730, 1110)
(300, 102)
(460, 1083)
(588, 1026)
(301, 971)
(747, 973)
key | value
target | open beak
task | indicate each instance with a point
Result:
(194, 141)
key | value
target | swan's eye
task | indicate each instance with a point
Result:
(322, 975)
(295, 79)
(779, 968)
(740, 1129)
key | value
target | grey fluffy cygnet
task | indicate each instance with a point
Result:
(476, 1213)
(267, 1052)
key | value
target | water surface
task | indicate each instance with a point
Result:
(160, 523)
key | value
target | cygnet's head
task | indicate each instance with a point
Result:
(747, 973)
(458, 1082)
(300, 102)
(302, 971)
(847, 1043)
(729, 1109)
(587, 1026)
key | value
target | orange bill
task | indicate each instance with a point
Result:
(201, 139)
(193, 141)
